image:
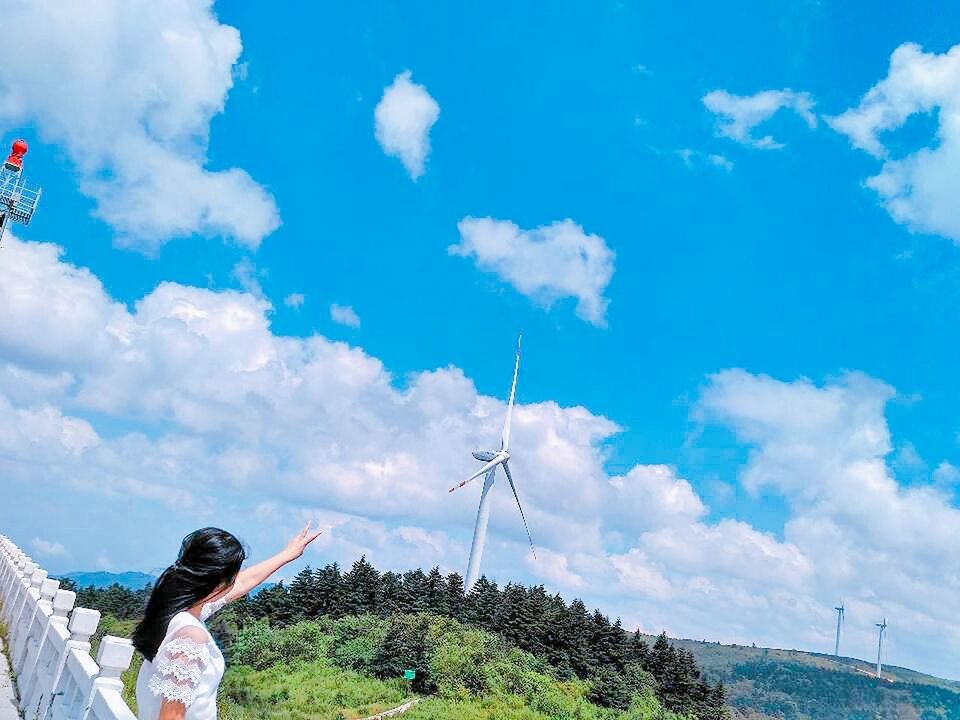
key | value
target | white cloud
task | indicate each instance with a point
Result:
(245, 272)
(344, 315)
(823, 449)
(294, 300)
(636, 573)
(946, 475)
(546, 264)
(554, 567)
(652, 496)
(403, 119)
(691, 156)
(47, 548)
(185, 409)
(919, 188)
(737, 115)
(129, 90)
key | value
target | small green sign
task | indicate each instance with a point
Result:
(409, 674)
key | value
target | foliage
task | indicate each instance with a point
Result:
(118, 601)
(792, 685)
(466, 672)
(575, 643)
(518, 641)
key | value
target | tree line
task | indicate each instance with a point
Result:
(574, 641)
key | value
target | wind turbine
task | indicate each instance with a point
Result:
(883, 629)
(492, 460)
(840, 612)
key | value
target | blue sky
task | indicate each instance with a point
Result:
(750, 278)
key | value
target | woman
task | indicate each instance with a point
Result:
(183, 666)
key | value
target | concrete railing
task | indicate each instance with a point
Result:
(49, 647)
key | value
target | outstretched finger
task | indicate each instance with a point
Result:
(306, 528)
(314, 536)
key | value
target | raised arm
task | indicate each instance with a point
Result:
(252, 576)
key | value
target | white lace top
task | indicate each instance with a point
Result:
(188, 667)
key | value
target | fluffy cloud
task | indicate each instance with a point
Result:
(403, 119)
(824, 450)
(547, 264)
(186, 409)
(344, 315)
(919, 188)
(47, 548)
(129, 89)
(738, 115)
(691, 157)
(294, 300)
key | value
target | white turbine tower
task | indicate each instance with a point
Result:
(492, 460)
(840, 613)
(883, 629)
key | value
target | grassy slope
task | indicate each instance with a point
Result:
(319, 689)
(773, 683)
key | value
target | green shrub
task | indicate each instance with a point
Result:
(323, 669)
(259, 646)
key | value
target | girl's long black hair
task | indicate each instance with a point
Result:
(209, 558)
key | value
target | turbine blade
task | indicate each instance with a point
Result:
(505, 438)
(482, 471)
(506, 469)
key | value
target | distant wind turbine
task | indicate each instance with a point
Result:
(491, 461)
(883, 629)
(840, 612)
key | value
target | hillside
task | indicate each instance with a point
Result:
(522, 647)
(351, 667)
(592, 662)
(794, 685)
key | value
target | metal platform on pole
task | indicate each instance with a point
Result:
(18, 201)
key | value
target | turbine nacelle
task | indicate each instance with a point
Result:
(484, 455)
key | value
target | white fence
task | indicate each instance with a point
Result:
(49, 647)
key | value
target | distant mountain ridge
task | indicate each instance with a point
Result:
(771, 684)
(101, 579)
(130, 579)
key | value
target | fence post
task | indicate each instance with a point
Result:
(34, 623)
(50, 652)
(20, 587)
(83, 624)
(113, 657)
(62, 605)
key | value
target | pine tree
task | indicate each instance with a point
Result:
(661, 658)
(577, 640)
(455, 599)
(274, 603)
(361, 588)
(303, 594)
(637, 650)
(482, 603)
(391, 594)
(329, 589)
(436, 593)
(555, 618)
(535, 605)
(415, 591)
(717, 703)
(516, 620)
(605, 642)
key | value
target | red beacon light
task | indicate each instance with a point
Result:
(17, 199)
(14, 161)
